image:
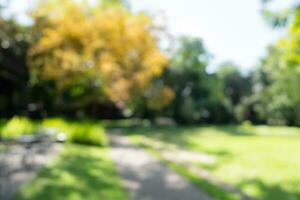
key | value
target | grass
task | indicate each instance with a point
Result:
(261, 161)
(80, 172)
(205, 185)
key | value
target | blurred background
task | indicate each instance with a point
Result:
(210, 88)
(131, 59)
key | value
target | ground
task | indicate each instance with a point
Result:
(146, 178)
(225, 162)
(260, 161)
(80, 172)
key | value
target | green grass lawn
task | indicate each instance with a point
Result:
(262, 161)
(80, 172)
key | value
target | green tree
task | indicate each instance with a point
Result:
(197, 93)
(237, 89)
(280, 18)
(14, 42)
(283, 65)
(279, 92)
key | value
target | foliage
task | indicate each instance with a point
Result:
(236, 88)
(17, 126)
(61, 124)
(83, 132)
(196, 91)
(279, 92)
(80, 172)
(280, 17)
(2, 124)
(106, 62)
(89, 133)
(106, 48)
(14, 42)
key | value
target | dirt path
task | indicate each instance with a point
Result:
(145, 178)
(13, 171)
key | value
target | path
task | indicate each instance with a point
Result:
(13, 173)
(146, 178)
(189, 160)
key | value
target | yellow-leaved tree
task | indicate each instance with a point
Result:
(104, 43)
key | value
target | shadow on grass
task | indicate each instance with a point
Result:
(271, 192)
(186, 138)
(176, 135)
(179, 134)
(81, 172)
(235, 130)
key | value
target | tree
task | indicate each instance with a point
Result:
(197, 93)
(14, 42)
(280, 18)
(281, 97)
(104, 47)
(236, 88)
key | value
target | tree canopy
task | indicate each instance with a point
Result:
(98, 58)
(116, 50)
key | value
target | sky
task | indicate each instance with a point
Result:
(232, 30)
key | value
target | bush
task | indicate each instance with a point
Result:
(2, 124)
(88, 133)
(16, 127)
(84, 132)
(60, 124)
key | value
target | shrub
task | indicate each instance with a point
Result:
(2, 124)
(84, 132)
(17, 126)
(88, 133)
(60, 124)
